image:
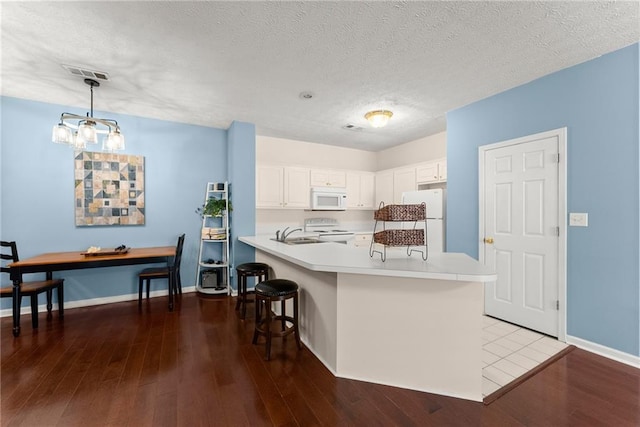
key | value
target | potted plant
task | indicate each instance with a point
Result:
(214, 207)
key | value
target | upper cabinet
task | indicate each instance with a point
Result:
(390, 185)
(432, 172)
(282, 187)
(442, 170)
(328, 178)
(287, 187)
(384, 187)
(296, 188)
(403, 180)
(360, 190)
(269, 186)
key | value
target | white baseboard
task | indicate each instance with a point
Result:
(318, 356)
(607, 352)
(94, 301)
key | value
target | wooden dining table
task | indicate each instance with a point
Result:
(76, 260)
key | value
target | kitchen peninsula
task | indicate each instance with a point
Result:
(403, 322)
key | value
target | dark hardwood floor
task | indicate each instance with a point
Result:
(114, 365)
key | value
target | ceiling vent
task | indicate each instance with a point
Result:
(85, 73)
(352, 127)
(306, 95)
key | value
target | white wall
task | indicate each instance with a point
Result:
(300, 153)
(421, 150)
(291, 152)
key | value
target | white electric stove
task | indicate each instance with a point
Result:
(328, 230)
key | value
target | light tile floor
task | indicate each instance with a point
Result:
(508, 351)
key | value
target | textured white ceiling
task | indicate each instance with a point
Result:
(209, 63)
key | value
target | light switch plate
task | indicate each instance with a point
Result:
(579, 219)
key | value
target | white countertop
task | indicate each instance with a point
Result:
(341, 258)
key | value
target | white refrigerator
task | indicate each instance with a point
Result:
(435, 202)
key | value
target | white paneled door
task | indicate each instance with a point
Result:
(521, 230)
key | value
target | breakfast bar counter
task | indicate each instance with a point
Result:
(404, 322)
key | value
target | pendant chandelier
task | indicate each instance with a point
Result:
(85, 130)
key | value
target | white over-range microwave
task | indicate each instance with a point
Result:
(328, 199)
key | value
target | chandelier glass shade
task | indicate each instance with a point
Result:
(114, 141)
(87, 132)
(62, 134)
(77, 131)
(378, 118)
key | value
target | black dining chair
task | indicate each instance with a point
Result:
(148, 274)
(32, 288)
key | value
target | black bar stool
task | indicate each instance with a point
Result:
(272, 291)
(249, 269)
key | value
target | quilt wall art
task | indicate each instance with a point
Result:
(109, 189)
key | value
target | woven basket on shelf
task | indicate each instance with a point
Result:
(400, 237)
(401, 213)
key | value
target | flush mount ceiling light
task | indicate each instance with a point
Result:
(378, 118)
(86, 129)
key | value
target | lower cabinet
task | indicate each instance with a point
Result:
(362, 239)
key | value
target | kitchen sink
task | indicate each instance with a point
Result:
(300, 240)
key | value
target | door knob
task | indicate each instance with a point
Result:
(488, 240)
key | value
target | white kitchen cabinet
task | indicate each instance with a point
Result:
(427, 173)
(432, 172)
(328, 178)
(367, 191)
(362, 239)
(403, 180)
(442, 170)
(384, 187)
(296, 188)
(360, 190)
(282, 187)
(269, 186)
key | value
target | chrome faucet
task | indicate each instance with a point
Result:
(282, 237)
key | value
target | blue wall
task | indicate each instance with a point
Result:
(37, 184)
(242, 172)
(598, 102)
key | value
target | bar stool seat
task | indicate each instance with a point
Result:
(266, 293)
(249, 269)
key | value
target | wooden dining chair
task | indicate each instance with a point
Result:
(32, 288)
(148, 274)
